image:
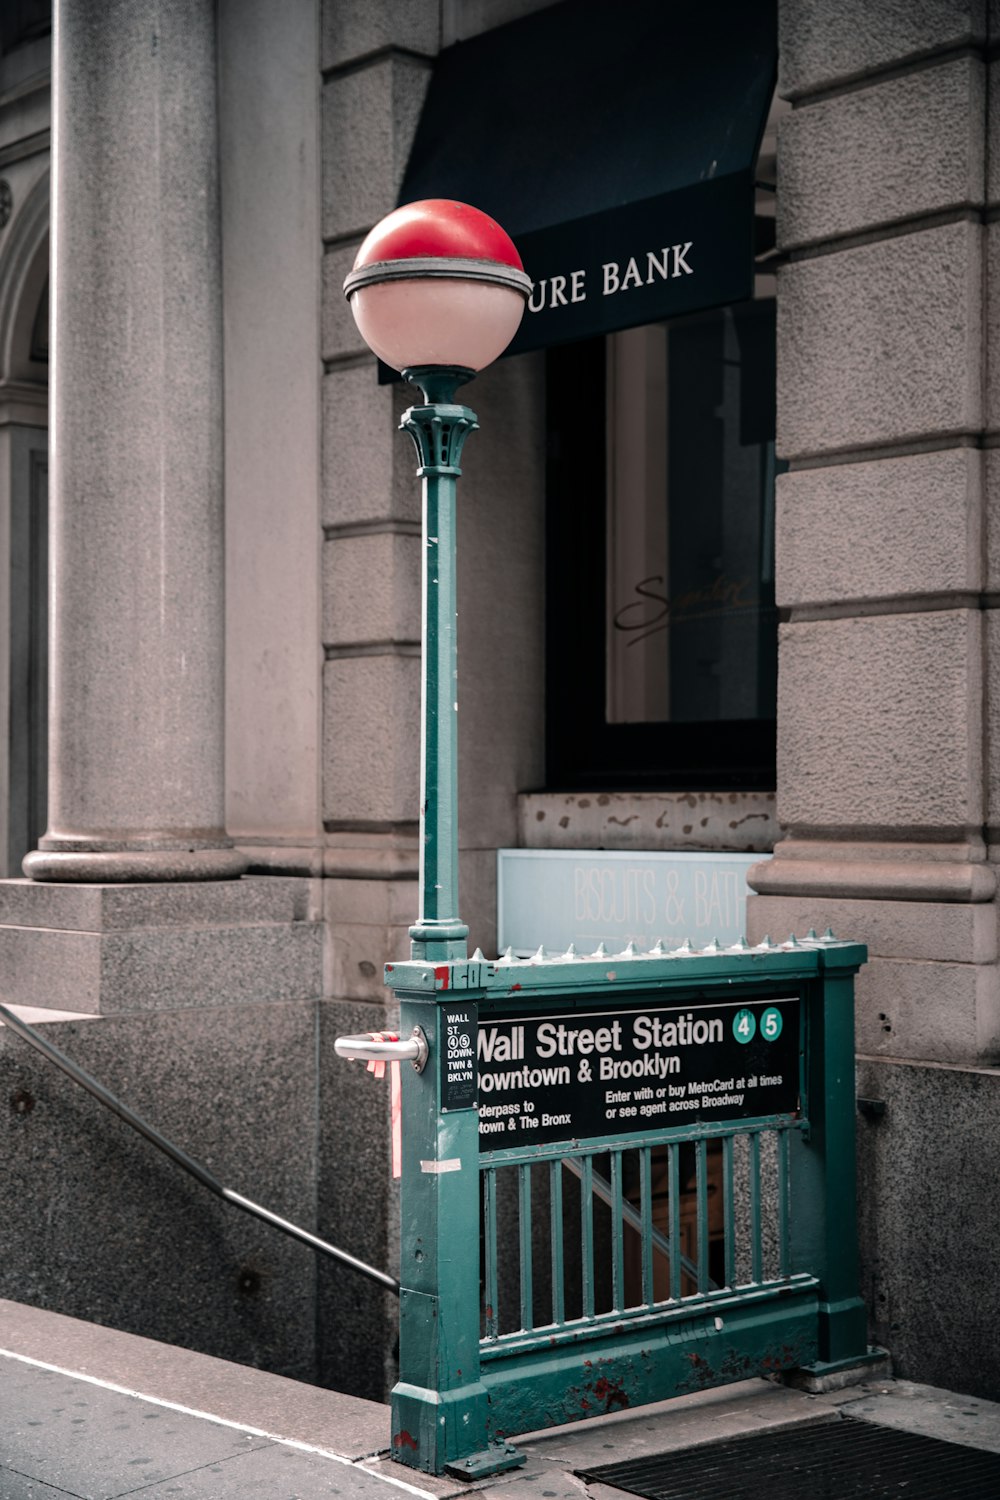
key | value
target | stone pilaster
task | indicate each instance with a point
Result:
(376, 63)
(882, 780)
(885, 751)
(376, 68)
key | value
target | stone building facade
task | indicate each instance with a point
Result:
(227, 850)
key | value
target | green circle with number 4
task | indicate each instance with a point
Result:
(770, 1024)
(744, 1025)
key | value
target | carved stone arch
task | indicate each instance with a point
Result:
(24, 271)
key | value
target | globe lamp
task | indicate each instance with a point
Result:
(437, 283)
(438, 291)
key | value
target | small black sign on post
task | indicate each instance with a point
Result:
(458, 1032)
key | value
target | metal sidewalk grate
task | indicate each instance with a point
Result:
(839, 1458)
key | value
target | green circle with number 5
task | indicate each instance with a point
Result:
(770, 1024)
(744, 1025)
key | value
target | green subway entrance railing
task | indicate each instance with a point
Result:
(623, 1178)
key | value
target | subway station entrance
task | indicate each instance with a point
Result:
(624, 1177)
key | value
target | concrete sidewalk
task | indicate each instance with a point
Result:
(91, 1413)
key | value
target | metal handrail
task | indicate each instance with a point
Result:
(187, 1163)
(372, 1047)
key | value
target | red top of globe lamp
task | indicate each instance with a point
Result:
(438, 227)
(437, 283)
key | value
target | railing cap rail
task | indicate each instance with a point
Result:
(657, 968)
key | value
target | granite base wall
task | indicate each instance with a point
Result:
(357, 1209)
(95, 1223)
(929, 1194)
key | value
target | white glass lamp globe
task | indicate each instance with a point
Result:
(437, 283)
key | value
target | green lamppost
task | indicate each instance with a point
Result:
(437, 292)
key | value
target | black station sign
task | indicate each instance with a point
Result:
(576, 1074)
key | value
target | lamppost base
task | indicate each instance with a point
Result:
(438, 942)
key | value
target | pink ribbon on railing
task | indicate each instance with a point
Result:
(395, 1099)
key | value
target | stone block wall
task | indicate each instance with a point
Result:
(887, 737)
(375, 70)
(376, 67)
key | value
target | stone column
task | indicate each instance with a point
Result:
(136, 705)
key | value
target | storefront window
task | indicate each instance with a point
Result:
(22, 21)
(690, 486)
(662, 627)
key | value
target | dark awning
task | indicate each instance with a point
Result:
(615, 142)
